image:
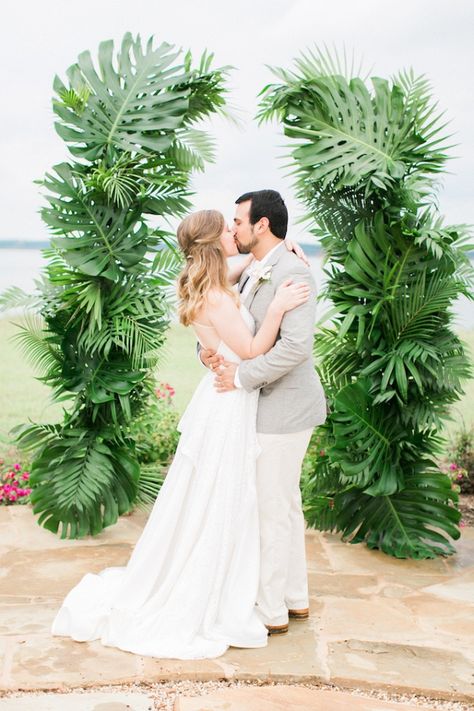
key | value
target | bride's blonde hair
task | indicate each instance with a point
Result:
(206, 268)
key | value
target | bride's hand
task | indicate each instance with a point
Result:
(288, 295)
(294, 247)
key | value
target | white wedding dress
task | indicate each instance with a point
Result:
(189, 588)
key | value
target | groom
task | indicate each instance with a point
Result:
(290, 405)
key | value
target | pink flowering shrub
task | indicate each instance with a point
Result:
(457, 475)
(156, 438)
(14, 487)
(155, 432)
(165, 392)
(461, 458)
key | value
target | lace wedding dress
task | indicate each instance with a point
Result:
(189, 588)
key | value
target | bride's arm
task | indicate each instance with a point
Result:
(231, 328)
(236, 272)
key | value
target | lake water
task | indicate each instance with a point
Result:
(20, 267)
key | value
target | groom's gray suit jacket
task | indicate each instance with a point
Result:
(291, 395)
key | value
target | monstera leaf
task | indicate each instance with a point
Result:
(348, 135)
(98, 237)
(411, 523)
(130, 106)
(365, 442)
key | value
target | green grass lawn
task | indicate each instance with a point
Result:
(22, 397)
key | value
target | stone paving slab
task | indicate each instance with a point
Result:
(284, 698)
(428, 670)
(376, 622)
(91, 701)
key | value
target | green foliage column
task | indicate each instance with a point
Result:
(365, 156)
(128, 122)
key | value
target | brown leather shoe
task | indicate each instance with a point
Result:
(299, 614)
(277, 629)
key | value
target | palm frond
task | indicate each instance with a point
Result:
(37, 343)
(14, 297)
(149, 484)
(322, 62)
(81, 484)
(31, 437)
(166, 266)
(192, 149)
(119, 182)
(208, 91)
(418, 310)
(165, 197)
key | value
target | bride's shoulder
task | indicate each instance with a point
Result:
(216, 298)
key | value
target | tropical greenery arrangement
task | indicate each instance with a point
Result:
(102, 310)
(365, 156)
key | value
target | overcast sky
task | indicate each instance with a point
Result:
(40, 39)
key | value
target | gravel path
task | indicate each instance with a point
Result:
(165, 694)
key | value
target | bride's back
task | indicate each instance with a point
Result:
(206, 335)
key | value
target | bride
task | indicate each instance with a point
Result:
(189, 588)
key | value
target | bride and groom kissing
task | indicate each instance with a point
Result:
(221, 560)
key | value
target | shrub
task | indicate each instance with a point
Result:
(155, 432)
(14, 484)
(156, 438)
(461, 458)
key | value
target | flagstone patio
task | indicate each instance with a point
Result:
(376, 622)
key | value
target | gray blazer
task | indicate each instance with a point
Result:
(291, 395)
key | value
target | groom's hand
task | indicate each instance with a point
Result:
(210, 358)
(225, 374)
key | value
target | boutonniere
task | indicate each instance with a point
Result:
(261, 273)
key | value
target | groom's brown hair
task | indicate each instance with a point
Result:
(269, 204)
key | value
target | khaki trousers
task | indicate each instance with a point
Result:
(283, 577)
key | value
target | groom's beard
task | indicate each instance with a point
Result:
(247, 248)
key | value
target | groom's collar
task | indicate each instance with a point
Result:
(271, 257)
(269, 260)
